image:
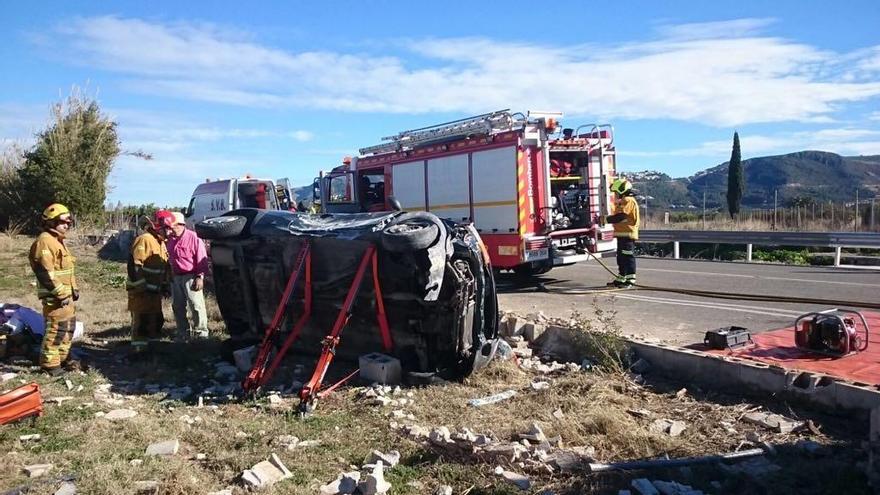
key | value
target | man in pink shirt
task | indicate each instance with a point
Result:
(189, 263)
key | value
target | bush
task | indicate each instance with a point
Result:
(69, 164)
(787, 256)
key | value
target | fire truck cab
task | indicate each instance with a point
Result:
(534, 191)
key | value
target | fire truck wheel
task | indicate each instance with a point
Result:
(221, 227)
(411, 232)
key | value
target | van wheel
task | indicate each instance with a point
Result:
(411, 232)
(221, 227)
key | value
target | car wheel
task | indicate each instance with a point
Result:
(411, 232)
(221, 227)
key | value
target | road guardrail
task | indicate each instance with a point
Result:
(836, 240)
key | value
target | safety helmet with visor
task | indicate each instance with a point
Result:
(57, 213)
(621, 186)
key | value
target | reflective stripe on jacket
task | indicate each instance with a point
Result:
(148, 268)
(53, 266)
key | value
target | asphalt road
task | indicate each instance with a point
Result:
(683, 318)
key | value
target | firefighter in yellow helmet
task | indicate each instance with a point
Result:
(626, 229)
(53, 265)
(149, 276)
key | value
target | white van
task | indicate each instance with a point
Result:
(214, 198)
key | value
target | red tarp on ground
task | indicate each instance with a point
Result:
(777, 347)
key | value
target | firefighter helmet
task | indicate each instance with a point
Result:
(163, 219)
(54, 212)
(621, 186)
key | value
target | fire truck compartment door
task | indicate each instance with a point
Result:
(448, 190)
(409, 185)
(495, 190)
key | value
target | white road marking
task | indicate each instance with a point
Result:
(740, 309)
(758, 277)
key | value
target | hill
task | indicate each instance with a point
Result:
(804, 176)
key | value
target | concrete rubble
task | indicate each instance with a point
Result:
(519, 480)
(390, 459)
(288, 442)
(775, 422)
(533, 450)
(265, 473)
(66, 488)
(120, 414)
(672, 427)
(164, 448)
(146, 487)
(373, 483)
(37, 470)
(345, 483)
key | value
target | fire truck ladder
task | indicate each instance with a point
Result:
(487, 123)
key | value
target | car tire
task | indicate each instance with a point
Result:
(221, 227)
(410, 232)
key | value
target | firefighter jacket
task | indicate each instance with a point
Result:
(53, 265)
(625, 218)
(148, 274)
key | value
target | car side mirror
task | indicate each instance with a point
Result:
(395, 204)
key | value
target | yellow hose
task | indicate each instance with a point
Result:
(745, 297)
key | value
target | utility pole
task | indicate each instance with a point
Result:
(775, 205)
(856, 220)
(872, 212)
(704, 209)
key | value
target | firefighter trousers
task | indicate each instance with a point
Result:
(60, 324)
(626, 260)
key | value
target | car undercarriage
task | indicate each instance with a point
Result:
(433, 276)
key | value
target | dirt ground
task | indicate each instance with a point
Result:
(181, 393)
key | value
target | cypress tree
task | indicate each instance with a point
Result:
(736, 183)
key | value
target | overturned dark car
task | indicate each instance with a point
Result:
(406, 284)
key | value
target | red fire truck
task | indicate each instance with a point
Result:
(534, 190)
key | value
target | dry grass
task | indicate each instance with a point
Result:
(235, 435)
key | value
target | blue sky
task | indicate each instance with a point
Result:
(219, 89)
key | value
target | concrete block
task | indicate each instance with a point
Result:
(874, 431)
(164, 448)
(515, 326)
(852, 396)
(36, 470)
(760, 376)
(532, 331)
(380, 368)
(244, 358)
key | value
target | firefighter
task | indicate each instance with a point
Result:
(53, 265)
(626, 229)
(148, 279)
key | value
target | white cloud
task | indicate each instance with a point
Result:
(709, 30)
(302, 136)
(720, 73)
(846, 141)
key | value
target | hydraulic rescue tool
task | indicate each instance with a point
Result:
(834, 332)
